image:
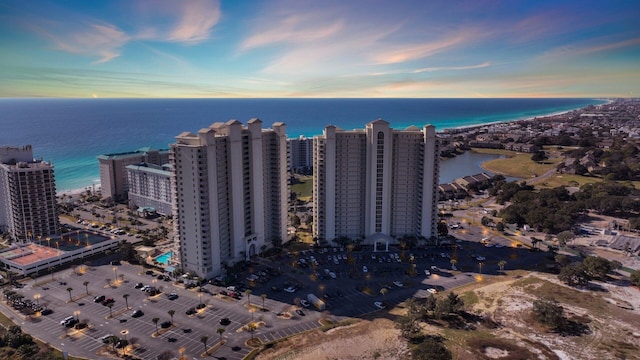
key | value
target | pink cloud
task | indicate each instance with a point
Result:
(196, 19)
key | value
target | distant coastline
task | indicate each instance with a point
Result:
(120, 125)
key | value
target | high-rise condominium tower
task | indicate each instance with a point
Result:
(28, 208)
(376, 184)
(230, 193)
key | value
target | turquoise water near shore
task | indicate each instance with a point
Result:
(72, 132)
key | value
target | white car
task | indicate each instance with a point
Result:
(432, 291)
(379, 305)
(481, 258)
(290, 289)
(434, 268)
(398, 284)
(499, 245)
(426, 272)
(304, 303)
(332, 274)
(364, 269)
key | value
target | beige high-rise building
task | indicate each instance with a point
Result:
(377, 184)
(28, 208)
(230, 190)
(114, 182)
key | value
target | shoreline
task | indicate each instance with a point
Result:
(450, 130)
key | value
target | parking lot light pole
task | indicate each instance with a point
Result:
(37, 297)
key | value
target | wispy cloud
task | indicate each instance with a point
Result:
(589, 48)
(445, 68)
(295, 28)
(196, 19)
(409, 52)
(93, 39)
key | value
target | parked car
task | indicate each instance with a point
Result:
(107, 338)
(225, 321)
(398, 284)
(172, 296)
(137, 313)
(99, 299)
(139, 285)
(379, 305)
(165, 324)
(300, 312)
(46, 312)
(66, 320)
(304, 303)
(191, 311)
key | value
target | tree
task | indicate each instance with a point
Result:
(562, 260)
(548, 312)
(155, 321)
(171, 313)
(534, 242)
(126, 300)
(597, 267)
(263, 296)
(431, 348)
(448, 305)
(635, 278)
(220, 331)
(500, 226)
(443, 229)
(453, 263)
(384, 291)
(251, 328)
(69, 289)
(204, 339)
(539, 156)
(248, 293)
(501, 264)
(565, 236)
(574, 275)
(110, 306)
(86, 286)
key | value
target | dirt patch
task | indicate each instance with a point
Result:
(366, 340)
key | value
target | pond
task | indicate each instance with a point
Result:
(464, 165)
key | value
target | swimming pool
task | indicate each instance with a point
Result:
(164, 258)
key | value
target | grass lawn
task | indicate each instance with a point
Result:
(516, 164)
(303, 188)
(567, 180)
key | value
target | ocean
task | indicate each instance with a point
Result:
(72, 132)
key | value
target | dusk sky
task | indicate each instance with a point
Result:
(331, 49)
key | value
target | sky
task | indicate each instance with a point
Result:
(323, 49)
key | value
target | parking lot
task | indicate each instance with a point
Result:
(349, 282)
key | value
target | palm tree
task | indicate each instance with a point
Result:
(114, 341)
(502, 263)
(251, 327)
(110, 306)
(453, 263)
(204, 339)
(248, 293)
(86, 286)
(126, 300)
(69, 289)
(171, 313)
(384, 291)
(155, 321)
(263, 296)
(220, 331)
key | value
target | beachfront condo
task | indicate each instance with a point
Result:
(114, 181)
(28, 208)
(376, 184)
(231, 194)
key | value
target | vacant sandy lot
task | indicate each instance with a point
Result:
(611, 316)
